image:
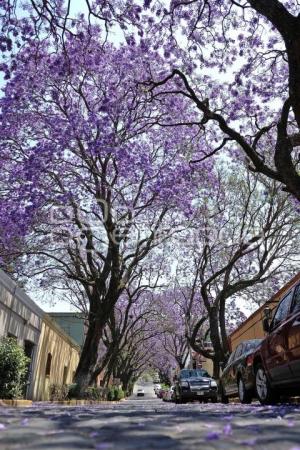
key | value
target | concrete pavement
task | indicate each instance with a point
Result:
(149, 423)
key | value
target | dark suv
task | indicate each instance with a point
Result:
(195, 384)
(238, 377)
(277, 361)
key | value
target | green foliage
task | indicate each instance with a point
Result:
(119, 394)
(95, 393)
(58, 392)
(13, 369)
(110, 394)
(115, 394)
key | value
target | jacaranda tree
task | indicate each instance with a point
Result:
(87, 179)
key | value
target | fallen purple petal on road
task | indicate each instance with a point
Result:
(227, 417)
(227, 430)
(2, 426)
(94, 434)
(213, 436)
(24, 422)
(250, 442)
(103, 446)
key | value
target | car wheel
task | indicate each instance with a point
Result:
(244, 395)
(265, 394)
(214, 400)
(223, 397)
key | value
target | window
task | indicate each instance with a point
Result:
(283, 310)
(48, 365)
(28, 348)
(65, 375)
(187, 373)
(296, 306)
(238, 351)
(252, 344)
(12, 336)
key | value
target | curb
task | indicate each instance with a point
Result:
(15, 403)
(83, 402)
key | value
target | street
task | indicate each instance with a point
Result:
(149, 423)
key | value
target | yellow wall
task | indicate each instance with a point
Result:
(65, 353)
(252, 328)
(208, 365)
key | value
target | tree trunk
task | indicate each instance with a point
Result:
(293, 50)
(84, 376)
(216, 341)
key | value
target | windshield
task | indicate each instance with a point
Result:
(186, 373)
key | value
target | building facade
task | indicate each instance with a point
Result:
(252, 328)
(54, 355)
(57, 359)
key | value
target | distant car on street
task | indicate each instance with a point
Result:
(277, 360)
(195, 384)
(140, 392)
(238, 377)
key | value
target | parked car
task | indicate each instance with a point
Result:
(195, 384)
(157, 387)
(140, 392)
(238, 377)
(169, 394)
(161, 392)
(277, 361)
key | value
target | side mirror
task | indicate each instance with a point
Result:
(266, 325)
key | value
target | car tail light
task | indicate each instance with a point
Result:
(249, 360)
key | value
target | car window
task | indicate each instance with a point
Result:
(238, 351)
(283, 310)
(186, 373)
(253, 344)
(296, 306)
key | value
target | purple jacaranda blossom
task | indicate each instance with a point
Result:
(249, 442)
(213, 436)
(229, 417)
(94, 434)
(227, 430)
(24, 422)
(103, 446)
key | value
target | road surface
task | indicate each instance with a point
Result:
(148, 423)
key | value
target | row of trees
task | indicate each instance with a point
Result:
(122, 180)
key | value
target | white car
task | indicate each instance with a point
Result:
(170, 394)
(157, 387)
(140, 393)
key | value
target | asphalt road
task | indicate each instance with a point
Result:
(149, 423)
